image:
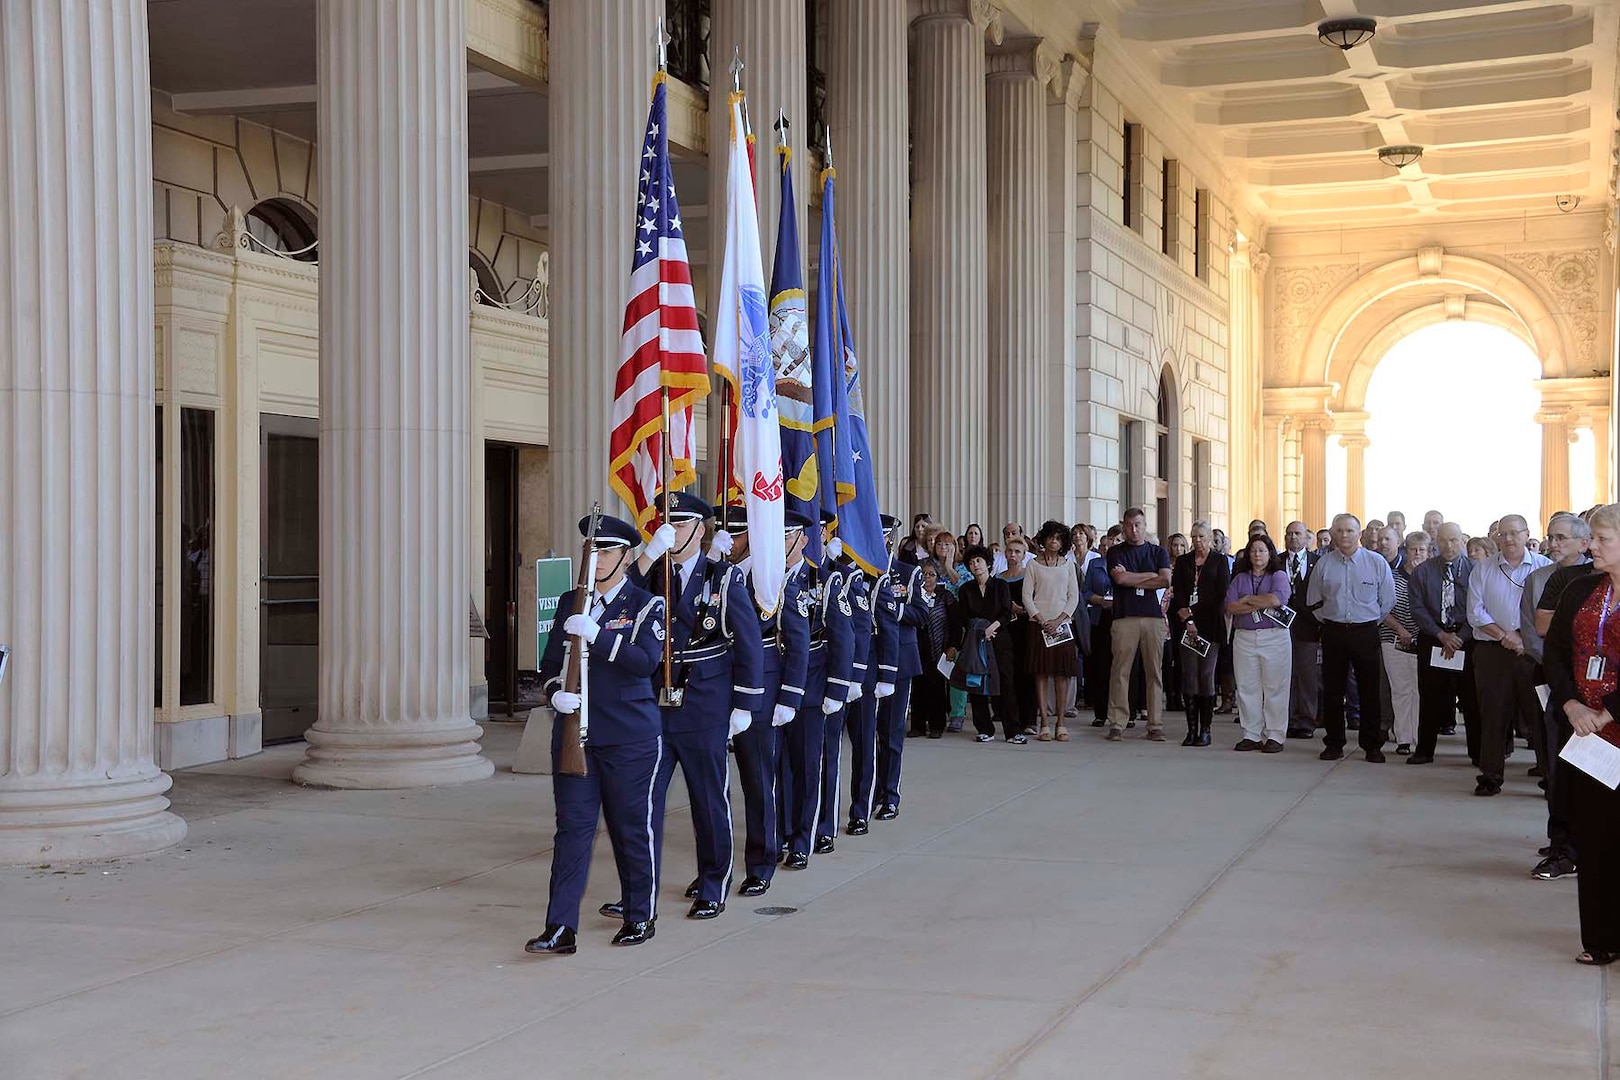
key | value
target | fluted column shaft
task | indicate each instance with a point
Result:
(867, 97)
(77, 521)
(1600, 448)
(1355, 474)
(1313, 472)
(949, 365)
(601, 79)
(1015, 134)
(1555, 432)
(394, 398)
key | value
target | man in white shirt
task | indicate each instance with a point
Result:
(1009, 532)
(1504, 677)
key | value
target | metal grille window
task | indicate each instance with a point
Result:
(687, 23)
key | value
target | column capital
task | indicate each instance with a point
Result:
(983, 14)
(1354, 441)
(1024, 58)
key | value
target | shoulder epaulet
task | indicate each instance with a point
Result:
(653, 607)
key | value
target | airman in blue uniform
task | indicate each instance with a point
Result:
(624, 744)
(717, 672)
(905, 608)
(855, 607)
(832, 656)
(786, 634)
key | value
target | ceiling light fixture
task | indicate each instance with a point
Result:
(1346, 34)
(1399, 157)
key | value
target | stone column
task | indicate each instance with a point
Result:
(77, 778)
(1271, 455)
(867, 96)
(950, 432)
(1555, 435)
(1062, 278)
(1601, 450)
(394, 406)
(1313, 470)
(1355, 482)
(601, 81)
(1015, 136)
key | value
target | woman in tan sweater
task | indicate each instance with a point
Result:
(1051, 595)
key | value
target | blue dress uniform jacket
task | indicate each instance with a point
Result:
(623, 750)
(786, 633)
(719, 660)
(856, 614)
(906, 610)
(862, 721)
(832, 650)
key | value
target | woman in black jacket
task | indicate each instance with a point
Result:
(983, 612)
(1581, 659)
(1198, 599)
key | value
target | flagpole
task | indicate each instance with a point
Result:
(669, 696)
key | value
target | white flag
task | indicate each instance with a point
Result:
(742, 356)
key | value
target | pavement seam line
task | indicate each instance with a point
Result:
(1603, 1023)
(1046, 1030)
(740, 930)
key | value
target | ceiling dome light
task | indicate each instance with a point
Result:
(1399, 157)
(1346, 34)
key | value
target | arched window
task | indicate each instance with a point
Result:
(283, 227)
(489, 290)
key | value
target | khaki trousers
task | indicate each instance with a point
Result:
(1132, 637)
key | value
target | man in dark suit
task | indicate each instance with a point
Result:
(1439, 595)
(1305, 691)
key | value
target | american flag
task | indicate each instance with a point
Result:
(661, 345)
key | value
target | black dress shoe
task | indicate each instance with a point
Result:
(753, 886)
(936, 734)
(1300, 733)
(1098, 723)
(1272, 747)
(1449, 729)
(1486, 788)
(692, 889)
(1246, 744)
(634, 933)
(1375, 756)
(857, 827)
(1420, 759)
(705, 909)
(824, 845)
(612, 911)
(796, 860)
(556, 939)
(887, 812)
(1332, 753)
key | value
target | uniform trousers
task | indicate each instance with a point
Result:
(891, 721)
(1305, 690)
(758, 757)
(1347, 646)
(1560, 779)
(1504, 683)
(931, 702)
(1401, 669)
(803, 742)
(832, 744)
(861, 724)
(1262, 664)
(701, 755)
(1595, 810)
(1136, 637)
(621, 785)
(1441, 692)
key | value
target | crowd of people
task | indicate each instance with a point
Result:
(1358, 627)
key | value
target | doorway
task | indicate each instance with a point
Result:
(502, 562)
(289, 576)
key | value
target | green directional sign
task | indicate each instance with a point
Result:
(552, 578)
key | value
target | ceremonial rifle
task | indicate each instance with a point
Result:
(576, 664)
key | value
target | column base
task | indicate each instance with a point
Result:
(392, 758)
(101, 819)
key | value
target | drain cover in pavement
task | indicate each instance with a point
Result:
(775, 910)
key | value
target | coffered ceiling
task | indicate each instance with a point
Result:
(1513, 101)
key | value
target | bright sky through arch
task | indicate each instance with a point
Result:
(1451, 421)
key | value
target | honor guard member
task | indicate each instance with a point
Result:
(858, 613)
(624, 625)
(832, 653)
(904, 597)
(716, 673)
(786, 634)
(879, 682)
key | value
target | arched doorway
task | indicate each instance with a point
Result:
(1451, 425)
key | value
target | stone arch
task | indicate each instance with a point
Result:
(1521, 301)
(1353, 391)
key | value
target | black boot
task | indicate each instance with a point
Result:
(1205, 718)
(1192, 721)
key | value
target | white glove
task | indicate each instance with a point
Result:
(835, 548)
(830, 705)
(855, 693)
(582, 626)
(883, 689)
(740, 719)
(783, 714)
(564, 703)
(721, 544)
(662, 542)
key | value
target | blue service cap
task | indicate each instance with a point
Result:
(828, 517)
(797, 519)
(733, 518)
(890, 522)
(683, 506)
(611, 532)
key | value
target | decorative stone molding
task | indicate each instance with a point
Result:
(1068, 86)
(1129, 245)
(1259, 260)
(1572, 278)
(688, 118)
(1430, 260)
(509, 37)
(1298, 294)
(1032, 57)
(1303, 404)
(983, 14)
